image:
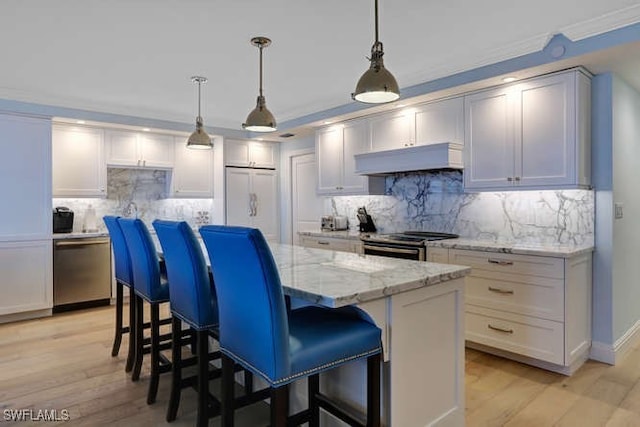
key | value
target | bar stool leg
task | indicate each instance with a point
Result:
(155, 354)
(176, 369)
(373, 390)
(117, 339)
(314, 388)
(131, 355)
(227, 397)
(203, 378)
(137, 366)
(279, 406)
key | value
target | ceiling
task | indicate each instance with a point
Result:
(136, 57)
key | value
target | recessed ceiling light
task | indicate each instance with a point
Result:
(509, 79)
(260, 139)
(328, 122)
(80, 122)
(146, 129)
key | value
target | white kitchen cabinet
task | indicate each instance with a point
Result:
(79, 168)
(430, 123)
(254, 154)
(335, 149)
(529, 135)
(252, 200)
(136, 149)
(535, 309)
(440, 121)
(393, 130)
(26, 287)
(332, 244)
(192, 172)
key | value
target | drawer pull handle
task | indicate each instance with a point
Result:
(501, 291)
(323, 243)
(499, 262)
(499, 329)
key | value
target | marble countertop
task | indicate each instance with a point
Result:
(549, 249)
(336, 279)
(342, 234)
(79, 235)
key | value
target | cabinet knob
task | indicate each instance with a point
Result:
(517, 178)
(509, 179)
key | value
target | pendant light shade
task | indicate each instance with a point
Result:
(199, 140)
(260, 118)
(377, 85)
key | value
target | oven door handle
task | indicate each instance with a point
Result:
(392, 250)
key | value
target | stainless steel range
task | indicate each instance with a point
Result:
(408, 245)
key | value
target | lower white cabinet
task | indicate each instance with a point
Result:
(332, 244)
(536, 307)
(192, 171)
(79, 168)
(252, 200)
(27, 276)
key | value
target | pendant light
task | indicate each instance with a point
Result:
(377, 85)
(260, 118)
(199, 140)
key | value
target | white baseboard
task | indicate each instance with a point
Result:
(614, 354)
(16, 317)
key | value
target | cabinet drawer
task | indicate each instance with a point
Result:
(343, 245)
(543, 298)
(485, 263)
(528, 336)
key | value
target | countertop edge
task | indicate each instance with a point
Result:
(79, 235)
(562, 251)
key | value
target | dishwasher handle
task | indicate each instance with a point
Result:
(80, 242)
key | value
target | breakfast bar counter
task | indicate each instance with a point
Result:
(419, 306)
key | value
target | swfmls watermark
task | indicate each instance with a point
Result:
(36, 415)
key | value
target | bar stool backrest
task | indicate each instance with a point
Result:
(253, 320)
(144, 258)
(192, 295)
(120, 252)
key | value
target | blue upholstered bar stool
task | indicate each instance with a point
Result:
(151, 288)
(124, 277)
(193, 300)
(257, 333)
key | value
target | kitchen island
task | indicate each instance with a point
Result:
(419, 306)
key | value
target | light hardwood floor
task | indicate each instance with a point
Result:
(64, 362)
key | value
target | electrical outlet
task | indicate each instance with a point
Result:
(618, 210)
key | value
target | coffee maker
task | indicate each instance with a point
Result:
(366, 222)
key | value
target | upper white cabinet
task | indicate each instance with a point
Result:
(390, 131)
(134, 149)
(441, 121)
(78, 162)
(250, 153)
(533, 134)
(432, 123)
(335, 147)
(192, 172)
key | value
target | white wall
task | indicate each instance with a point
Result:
(626, 231)
(296, 146)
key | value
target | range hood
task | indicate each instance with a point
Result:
(444, 155)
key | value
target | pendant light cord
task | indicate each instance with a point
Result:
(199, 83)
(376, 8)
(261, 69)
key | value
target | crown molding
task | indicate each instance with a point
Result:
(601, 24)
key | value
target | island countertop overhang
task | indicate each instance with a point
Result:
(336, 279)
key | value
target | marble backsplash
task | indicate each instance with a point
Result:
(140, 193)
(435, 201)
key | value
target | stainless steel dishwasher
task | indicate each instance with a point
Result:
(81, 273)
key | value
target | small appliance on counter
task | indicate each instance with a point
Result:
(334, 223)
(62, 220)
(366, 222)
